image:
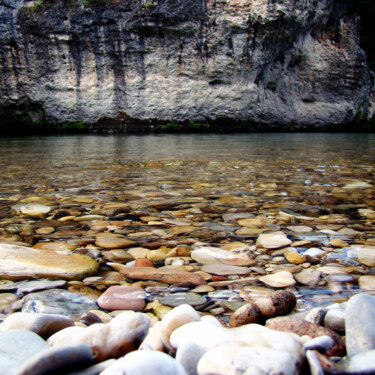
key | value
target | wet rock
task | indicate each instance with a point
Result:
(121, 335)
(314, 364)
(86, 291)
(44, 325)
(282, 279)
(335, 319)
(367, 283)
(34, 209)
(180, 298)
(177, 317)
(273, 240)
(246, 314)
(358, 364)
(65, 358)
(18, 262)
(316, 315)
(165, 275)
(16, 347)
(225, 269)
(366, 254)
(188, 355)
(300, 228)
(314, 252)
(308, 277)
(138, 252)
(113, 241)
(360, 332)
(278, 303)
(212, 255)
(144, 262)
(60, 246)
(118, 256)
(37, 285)
(57, 301)
(123, 298)
(145, 362)
(294, 258)
(302, 327)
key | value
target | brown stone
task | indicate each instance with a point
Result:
(144, 262)
(278, 303)
(112, 241)
(123, 298)
(303, 327)
(165, 275)
(246, 314)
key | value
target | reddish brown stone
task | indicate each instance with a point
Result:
(144, 262)
(246, 314)
(218, 278)
(303, 327)
(123, 298)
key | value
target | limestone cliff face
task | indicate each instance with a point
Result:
(267, 61)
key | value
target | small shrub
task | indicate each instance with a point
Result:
(199, 127)
(171, 127)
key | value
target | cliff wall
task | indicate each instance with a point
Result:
(137, 62)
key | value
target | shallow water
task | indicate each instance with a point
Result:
(259, 174)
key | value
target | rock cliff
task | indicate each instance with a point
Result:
(134, 63)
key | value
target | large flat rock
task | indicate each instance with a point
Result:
(18, 262)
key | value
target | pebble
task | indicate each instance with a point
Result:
(113, 241)
(314, 364)
(145, 362)
(123, 298)
(34, 209)
(367, 283)
(360, 332)
(57, 301)
(358, 364)
(303, 327)
(17, 262)
(308, 276)
(122, 334)
(44, 325)
(335, 320)
(320, 343)
(273, 240)
(282, 279)
(6, 302)
(180, 298)
(225, 269)
(294, 258)
(212, 255)
(366, 254)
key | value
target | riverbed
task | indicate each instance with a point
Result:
(201, 191)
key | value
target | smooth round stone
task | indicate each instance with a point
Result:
(282, 279)
(112, 241)
(336, 242)
(121, 335)
(359, 364)
(314, 252)
(16, 347)
(44, 325)
(359, 327)
(246, 314)
(188, 355)
(366, 254)
(308, 277)
(212, 255)
(123, 298)
(6, 302)
(176, 318)
(45, 230)
(138, 252)
(273, 240)
(18, 262)
(335, 320)
(34, 209)
(90, 293)
(145, 362)
(300, 228)
(225, 269)
(294, 258)
(303, 327)
(357, 185)
(118, 256)
(144, 262)
(158, 309)
(369, 214)
(367, 283)
(53, 360)
(205, 334)
(180, 298)
(57, 301)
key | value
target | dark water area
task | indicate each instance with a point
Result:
(320, 180)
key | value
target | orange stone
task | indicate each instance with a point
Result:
(144, 262)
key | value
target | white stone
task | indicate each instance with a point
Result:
(282, 279)
(145, 362)
(273, 240)
(314, 252)
(211, 255)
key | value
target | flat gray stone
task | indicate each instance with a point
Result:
(65, 358)
(359, 324)
(58, 301)
(180, 298)
(225, 269)
(16, 347)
